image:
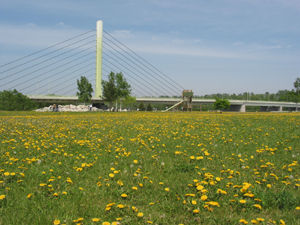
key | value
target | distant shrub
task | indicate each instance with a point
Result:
(15, 101)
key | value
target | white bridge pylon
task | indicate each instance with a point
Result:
(98, 80)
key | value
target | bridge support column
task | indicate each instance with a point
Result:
(270, 108)
(98, 85)
(237, 108)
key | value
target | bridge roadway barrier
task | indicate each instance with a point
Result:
(236, 105)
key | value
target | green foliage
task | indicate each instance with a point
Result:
(221, 104)
(149, 107)
(283, 200)
(184, 168)
(128, 101)
(116, 88)
(141, 107)
(15, 101)
(85, 90)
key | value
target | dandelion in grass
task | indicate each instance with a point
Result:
(124, 195)
(167, 189)
(282, 222)
(196, 211)
(56, 222)
(2, 197)
(243, 221)
(199, 187)
(203, 197)
(260, 219)
(96, 219)
(140, 214)
(257, 206)
(120, 206)
(254, 221)
(29, 195)
(242, 201)
(106, 223)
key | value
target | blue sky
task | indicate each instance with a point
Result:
(209, 46)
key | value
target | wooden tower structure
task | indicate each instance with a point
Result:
(187, 97)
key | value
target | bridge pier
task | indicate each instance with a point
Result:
(237, 108)
(270, 108)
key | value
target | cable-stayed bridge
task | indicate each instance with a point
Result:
(55, 70)
(50, 75)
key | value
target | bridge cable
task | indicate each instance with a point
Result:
(47, 48)
(39, 64)
(135, 69)
(128, 73)
(142, 58)
(43, 56)
(126, 78)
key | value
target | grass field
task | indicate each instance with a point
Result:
(149, 168)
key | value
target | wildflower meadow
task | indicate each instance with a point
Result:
(149, 168)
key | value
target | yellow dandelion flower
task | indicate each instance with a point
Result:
(167, 189)
(199, 187)
(260, 219)
(242, 201)
(196, 211)
(120, 206)
(203, 197)
(2, 197)
(194, 202)
(96, 219)
(140, 214)
(29, 195)
(282, 222)
(257, 206)
(123, 195)
(111, 175)
(254, 221)
(56, 222)
(243, 221)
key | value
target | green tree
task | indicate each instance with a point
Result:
(15, 101)
(221, 104)
(141, 107)
(116, 88)
(149, 107)
(85, 90)
(296, 95)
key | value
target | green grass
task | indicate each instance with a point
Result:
(160, 160)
